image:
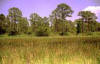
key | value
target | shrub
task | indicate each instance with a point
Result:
(65, 33)
(13, 33)
(42, 32)
(29, 33)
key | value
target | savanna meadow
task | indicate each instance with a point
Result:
(50, 50)
(49, 32)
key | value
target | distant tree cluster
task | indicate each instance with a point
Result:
(14, 23)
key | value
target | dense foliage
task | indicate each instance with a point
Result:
(14, 23)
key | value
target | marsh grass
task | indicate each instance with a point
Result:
(50, 50)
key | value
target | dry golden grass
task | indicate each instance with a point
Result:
(50, 50)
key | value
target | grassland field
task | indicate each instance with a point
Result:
(50, 50)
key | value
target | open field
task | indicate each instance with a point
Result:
(50, 50)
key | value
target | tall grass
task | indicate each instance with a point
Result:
(50, 50)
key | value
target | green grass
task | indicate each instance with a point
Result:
(50, 50)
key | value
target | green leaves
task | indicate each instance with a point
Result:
(88, 18)
(62, 11)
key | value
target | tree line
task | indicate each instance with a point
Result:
(14, 23)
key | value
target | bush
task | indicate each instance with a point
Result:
(61, 33)
(65, 33)
(13, 33)
(29, 33)
(42, 33)
(2, 31)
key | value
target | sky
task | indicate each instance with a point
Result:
(45, 7)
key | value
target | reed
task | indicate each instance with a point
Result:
(50, 50)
